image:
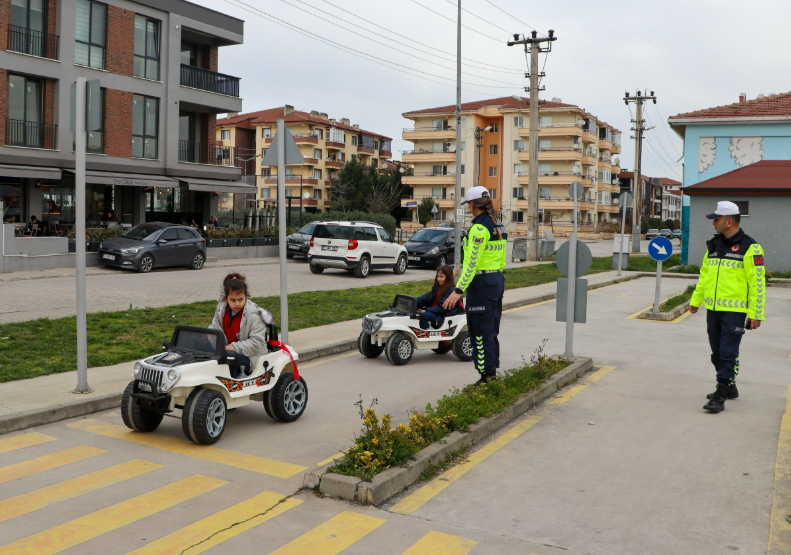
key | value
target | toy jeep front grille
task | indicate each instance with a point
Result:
(150, 375)
(371, 325)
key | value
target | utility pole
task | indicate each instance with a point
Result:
(532, 183)
(457, 221)
(637, 188)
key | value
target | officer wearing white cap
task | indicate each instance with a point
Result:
(732, 284)
(482, 279)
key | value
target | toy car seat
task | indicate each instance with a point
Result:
(271, 337)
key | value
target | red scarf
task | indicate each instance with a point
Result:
(231, 328)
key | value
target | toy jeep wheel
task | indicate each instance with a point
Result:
(287, 400)
(444, 347)
(399, 349)
(204, 416)
(136, 417)
(266, 404)
(367, 348)
(462, 346)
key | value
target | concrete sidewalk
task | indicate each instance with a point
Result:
(27, 403)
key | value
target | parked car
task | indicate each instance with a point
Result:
(676, 234)
(431, 247)
(298, 243)
(652, 233)
(666, 233)
(357, 247)
(154, 245)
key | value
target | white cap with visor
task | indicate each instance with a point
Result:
(724, 208)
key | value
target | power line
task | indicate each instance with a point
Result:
(659, 142)
(511, 16)
(664, 123)
(454, 21)
(659, 161)
(468, 60)
(393, 40)
(368, 57)
(452, 3)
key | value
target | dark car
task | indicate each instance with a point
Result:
(666, 233)
(299, 241)
(154, 245)
(431, 246)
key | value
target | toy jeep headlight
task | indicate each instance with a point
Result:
(372, 324)
(138, 369)
(169, 379)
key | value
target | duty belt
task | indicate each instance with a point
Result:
(479, 272)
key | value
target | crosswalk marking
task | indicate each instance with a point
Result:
(25, 440)
(48, 462)
(217, 528)
(437, 543)
(29, 502)
(332, 536)
(82, 529)
(184, 447)
(423, 495)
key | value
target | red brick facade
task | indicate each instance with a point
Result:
(5, 17)
(3, 103)
(208, 129)
(120, 41)
(49, 100)
(208, 57)
(52, 17)
(118, 123)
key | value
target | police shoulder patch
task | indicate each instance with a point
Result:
(478, 240)
(758, 259)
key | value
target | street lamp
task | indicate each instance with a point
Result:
(478, 144)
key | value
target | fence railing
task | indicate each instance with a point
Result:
(422, 129)
(205, 153)
(35, 43)
(31, 134)
(199, 78)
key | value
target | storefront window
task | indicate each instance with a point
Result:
(11, 193)
(57, 204)
(233, 207)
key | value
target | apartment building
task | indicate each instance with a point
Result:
(660, 196)
(155, 157)
(325, 143)
(573, 146)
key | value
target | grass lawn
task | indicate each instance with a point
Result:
(679, 299)
(39, 347)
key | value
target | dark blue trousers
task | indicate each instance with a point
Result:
(242, 367)
(725, 334)
(484, 308)
(430, 318)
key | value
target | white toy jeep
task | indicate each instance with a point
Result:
(397, 332)
(194, 374)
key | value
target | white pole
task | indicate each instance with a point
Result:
(79, 199)
(457, 196)
(623, 229)
(572, 283)
(281, 225)
(657, 294)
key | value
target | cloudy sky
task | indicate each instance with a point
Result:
(401, 56)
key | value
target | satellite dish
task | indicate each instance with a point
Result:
(615, 181)
(306, 196)
(761, 96)
(401, 170)
(576, 170)
(452, 148)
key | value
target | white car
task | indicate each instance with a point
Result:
(194, 375)
(398, 334)
(357, 247)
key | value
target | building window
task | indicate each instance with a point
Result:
(146, 47)
(439, 170)
(25, 125)
(519, 169)
(463, 146)
(519, 192)
(265, 192)
(519, 146)
(544, 144)
(266, 133)
(495, 127)
(545, 169)
(354, 140)
(545, 121)
(438, 192)
(266, 172)
(493, 194)
(492, 171)
(518, 217)
(289, 172)
(317, 194)
(91, 33)
(519, 121)
(189, 54)
(95, 140)
(336, 136)
(263, 154)
(145, 126)
(226, 135)
(544, 192)
(287, 192)
(316, 173)
(376, 145)
(744, 206)
(463, 123)
(342, 157)
(462, 169)
(318, 133)
(317, 153)
(492, 149)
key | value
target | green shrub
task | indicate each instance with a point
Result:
(385, 220)
(686, 269)
(677, 300)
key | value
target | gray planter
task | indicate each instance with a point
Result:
(245, 243)
(72, 247)
(230, 242)
(214, 243)
(260, 242)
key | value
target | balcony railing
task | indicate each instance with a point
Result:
(31, 134)
(552, 174)
(426, 151)
(566, 199)
(435, 174)
(199, 78)
(206, 153)
(558, 125)
(424, 129)
(35, 43)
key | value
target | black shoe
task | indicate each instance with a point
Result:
(733, 393)
(483, 380)
(717, 401)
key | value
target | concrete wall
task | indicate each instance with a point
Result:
(767, 224)
(232, 253)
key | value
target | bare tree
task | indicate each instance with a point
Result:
(385, 195)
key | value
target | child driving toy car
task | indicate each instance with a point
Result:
(431, 302)
(243, 323)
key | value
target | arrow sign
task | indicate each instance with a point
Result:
(660, 249)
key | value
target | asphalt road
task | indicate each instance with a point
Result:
(630, 464)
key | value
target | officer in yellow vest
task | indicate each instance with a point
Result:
(481, 277)
(732, 286)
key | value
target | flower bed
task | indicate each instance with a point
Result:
(98, 234)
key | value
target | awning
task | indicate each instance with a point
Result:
(128, 179)
(219, 186)
(32, 172)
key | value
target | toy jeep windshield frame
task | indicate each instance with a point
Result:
(205, 341)
(404, 304)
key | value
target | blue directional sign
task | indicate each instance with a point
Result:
(660, 249)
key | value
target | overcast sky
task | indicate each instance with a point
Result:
(692, 53)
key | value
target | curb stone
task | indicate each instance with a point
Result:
(393, 480)
(47, 415)
(665, 316)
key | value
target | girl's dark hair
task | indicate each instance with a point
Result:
(446, 271)
(485, 204)
(234, 282)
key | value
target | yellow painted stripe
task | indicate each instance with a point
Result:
(779, 527)
(333, 536)
(437, 543)
(25, 440)
(29, 502)
(183, 447)
(90, 526)
(420, 497)
(48, 462)
(329, 359)
(215, 529)
(332, 458)
(528, 306)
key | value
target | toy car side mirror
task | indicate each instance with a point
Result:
(228, 357)
(166, 345)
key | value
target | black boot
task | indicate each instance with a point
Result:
(717, 401)
(733, 393)
(484, 379)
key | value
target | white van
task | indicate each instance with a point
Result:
(357, 247)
